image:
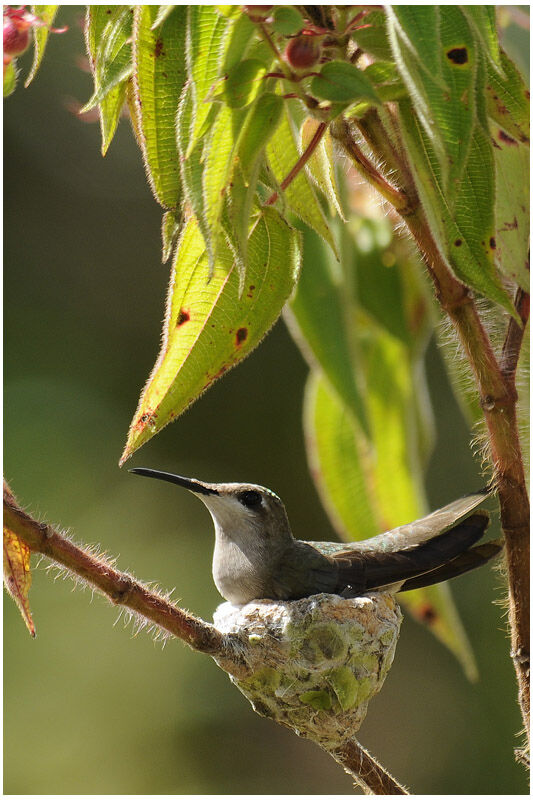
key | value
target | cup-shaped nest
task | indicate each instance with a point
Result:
(312, 664)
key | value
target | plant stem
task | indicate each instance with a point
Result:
(495, 381)
(368, 773)
(300, 164)
(118, 587)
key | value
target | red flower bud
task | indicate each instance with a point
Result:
(16, 36)
(302, 52)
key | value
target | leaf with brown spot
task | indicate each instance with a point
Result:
(210, 324)
(17, 575)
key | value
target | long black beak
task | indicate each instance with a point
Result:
(188, 483)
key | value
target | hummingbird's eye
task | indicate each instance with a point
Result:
(250, 499)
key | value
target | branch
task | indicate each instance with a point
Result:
(495, 381)
(119, 588)
(256, 641)
(367, 772)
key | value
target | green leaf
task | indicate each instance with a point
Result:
(10, 78)
(170, 227)
(512, 207)
(317, 319)
(237, 41)
(108, 32)
(482, 19)
(354, 479)
(287, 20)
(40, 37)
(283, 155)
(259, 127)
(162, 13)
(192, 168)
(321, 165)
(209, 327)
(508, 99)
(113, 55)
(158, 78)
(340, 81)
(373, 39)
(218, 163)
(243, 83)
(464, 230)
(206, 35)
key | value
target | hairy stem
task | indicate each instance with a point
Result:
(120, 588)
(495, 379)
(368, 773)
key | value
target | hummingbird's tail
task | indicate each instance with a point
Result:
(471, 559)
(444, 556)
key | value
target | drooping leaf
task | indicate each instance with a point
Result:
(206, 33)
(17, 575)
(10, 78)
(259, 127)
(464, 231)
(318, 317)
(508, 99)
(242, 83)
(340, 81)
(158, 77)
(104, 26)
(113, 63)
(209, 328)
(512, 207)
(283, 155)
(354, 482)
(40, 37)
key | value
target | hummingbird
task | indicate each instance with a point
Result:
(257, 557)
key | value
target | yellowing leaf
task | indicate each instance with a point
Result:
(354, 479)
(17, 575)
(209, 325)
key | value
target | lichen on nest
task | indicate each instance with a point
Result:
(312, 664)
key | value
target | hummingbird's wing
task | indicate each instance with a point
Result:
(421, 530)
(369, 569)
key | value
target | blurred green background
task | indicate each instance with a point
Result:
(89, 708)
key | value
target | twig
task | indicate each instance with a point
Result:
(118, 587)
(367, 772)
(300, 164)
(398, 198)
(497, 392)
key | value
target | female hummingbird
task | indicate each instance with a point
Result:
(257, 557)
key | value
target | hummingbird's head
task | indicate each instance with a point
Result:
(239, 510)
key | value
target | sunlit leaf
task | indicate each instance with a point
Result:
(355, 485)
(209, 327)
(321, 164)
(158, 78)
(40, 37)
(10, 78)
(299, 195)
(242, 83)
(162, 13)
(259, 127)
(318, 317)
(103, 26)
(483, 21)
(17, 575)
(512, 207)
(341, 81)
(206, 32)
(508, 99)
